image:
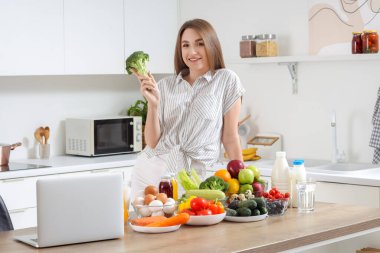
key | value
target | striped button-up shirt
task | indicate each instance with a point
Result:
(191, 117)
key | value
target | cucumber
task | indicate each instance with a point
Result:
(251, 204)
(206, 194)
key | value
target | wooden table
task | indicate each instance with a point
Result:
(273, 234)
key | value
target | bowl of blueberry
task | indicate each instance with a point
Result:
(277, 206)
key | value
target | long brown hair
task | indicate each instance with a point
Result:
(212, 45)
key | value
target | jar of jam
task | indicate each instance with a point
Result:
(356, 45)
(166, 186)
(370, 42)
(247, 46)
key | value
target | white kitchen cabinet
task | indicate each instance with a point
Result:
(348, 194)
(151, 26)
(31, 37)
(19, 194)
(94, 36)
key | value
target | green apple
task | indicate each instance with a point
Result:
(245, 187)
(255, 170)
(246, 176)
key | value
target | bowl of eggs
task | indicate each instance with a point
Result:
(152, 203)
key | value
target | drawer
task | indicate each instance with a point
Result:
(24, 218)
(18, 193)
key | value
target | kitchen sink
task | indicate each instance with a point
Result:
(346, 167)
(322, 165)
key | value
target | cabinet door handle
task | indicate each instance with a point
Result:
(21, 210)
(11, 180)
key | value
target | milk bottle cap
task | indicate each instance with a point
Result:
(298, 162)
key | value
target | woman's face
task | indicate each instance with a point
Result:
(194, 52)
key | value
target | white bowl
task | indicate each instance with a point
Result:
(204, 220)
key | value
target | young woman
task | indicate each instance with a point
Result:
(192, 113)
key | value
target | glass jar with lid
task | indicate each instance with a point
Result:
(247, 46)
(370, 42)
(266, 45)
(356, 45)
(166, 186)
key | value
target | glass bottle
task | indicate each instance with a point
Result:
(174, 183)
(356, 45)
(280, 176)
(165, 186)
(370, 42)
(298, 175)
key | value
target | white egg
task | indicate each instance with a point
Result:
(158, 213)
(155, 206)
(144, 211)
(138, 201)
(170, 200)
(169, 208)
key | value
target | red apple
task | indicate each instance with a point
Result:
(258, 189)
(234, 166)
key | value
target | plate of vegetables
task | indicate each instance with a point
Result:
(242, 209)
(154, 230)
(159, 224)
(246, 218)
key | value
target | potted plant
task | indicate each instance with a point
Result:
(140, 108)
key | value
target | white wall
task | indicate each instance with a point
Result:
(304, 119)
(32, 101)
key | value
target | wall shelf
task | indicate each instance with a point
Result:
(305, 58)
(292, 62)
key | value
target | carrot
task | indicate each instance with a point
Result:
(179, 219)
(147, 220)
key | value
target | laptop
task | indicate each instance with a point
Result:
(77, 209)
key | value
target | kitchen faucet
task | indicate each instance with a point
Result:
(337, 156)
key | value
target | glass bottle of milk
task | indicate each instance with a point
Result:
(298, 174)
(280, 177)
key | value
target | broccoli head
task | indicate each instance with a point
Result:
(137, 61)
(214, 183)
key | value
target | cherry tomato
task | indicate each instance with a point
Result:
(204, 212)
(287, 195)
(214, 209)
(189, 211)
(221, 207)
(273, 192)
(198, 204)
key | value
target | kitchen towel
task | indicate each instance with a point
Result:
(375, 137)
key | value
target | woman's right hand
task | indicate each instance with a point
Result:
(148, 88)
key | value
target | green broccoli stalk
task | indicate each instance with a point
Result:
(137, 61)
(214, 183)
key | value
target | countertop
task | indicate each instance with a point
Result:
(67, 164)
(274, 234)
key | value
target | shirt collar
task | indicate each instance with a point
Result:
(208, 76)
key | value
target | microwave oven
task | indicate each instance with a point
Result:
(103, 136)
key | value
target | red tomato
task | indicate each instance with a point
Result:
(287, 195)
(189, 211)
(198, 204)
(265, 194)
(214, 209)
(273, 192)
(279, 196)
(221, 207)
(204, 212)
